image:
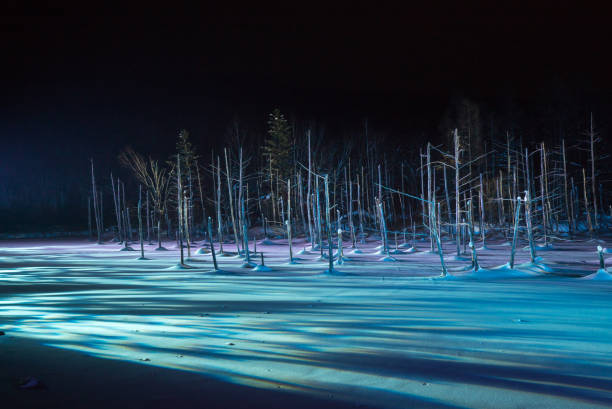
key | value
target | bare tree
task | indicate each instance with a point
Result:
(156, 178)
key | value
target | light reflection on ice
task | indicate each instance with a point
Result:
(385, 331)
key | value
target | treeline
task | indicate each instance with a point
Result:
(300, 182)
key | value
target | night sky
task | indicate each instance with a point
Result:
(79, 84)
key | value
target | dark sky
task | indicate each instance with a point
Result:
(346, 59)
(158, 72)
(82, 83)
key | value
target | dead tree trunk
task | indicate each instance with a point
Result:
(528, 222)
(140, 234)
(219, 219)
(179, 197)
(95, 203)
(117, 209)
(288, 221)
(566, 198)
(482, 214)
(231, 200)
(212, 246)
(308, 197)
(592, 142)
(471, 235)
(457, 196)
(586, 203)
(328, 226)
(89, 218)
(517, 216)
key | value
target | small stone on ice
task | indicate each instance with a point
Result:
(30, 383)
(230, 343)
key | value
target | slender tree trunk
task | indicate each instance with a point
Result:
(179, 197)
(517, 217)
(288, 221)
(543, 196)
(422, 188)
(360, 210)
(340, 251)
(204, 220)
(573, 213)
(508, 173)
(586, 203)
(448, 205)
(159, 220)
(219, 219)
(429, 195)
(126, 215)
(245, 236)
(117, 210)
(471, 235)
(328, 226)
(101, 196)
(592, 143)
(549, 214)
(383, 230)
(300, 197)
(438, 243)
(379, 186)
(240, 192)
(231, 200)
(319, 218)
(186, 213)
(482, 214)
(457, 195)
(308, 197)
(95, 202)
(566, 198)
(140, 235)
(148, 222)
(350, 211)
(212, 246)
(89, 217)
(528, 221)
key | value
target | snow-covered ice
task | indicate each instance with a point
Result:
(384, 334)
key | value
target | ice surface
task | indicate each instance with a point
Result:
(383, 334)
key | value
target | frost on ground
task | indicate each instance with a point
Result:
(382, 334)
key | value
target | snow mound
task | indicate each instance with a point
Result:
(503, 271)
(179, 266)
(600, 275)
(262, 268)
(500, 272)
(388, 258)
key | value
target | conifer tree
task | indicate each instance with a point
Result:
(277, 147)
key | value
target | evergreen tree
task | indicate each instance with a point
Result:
(277, 147)
(186, 150)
